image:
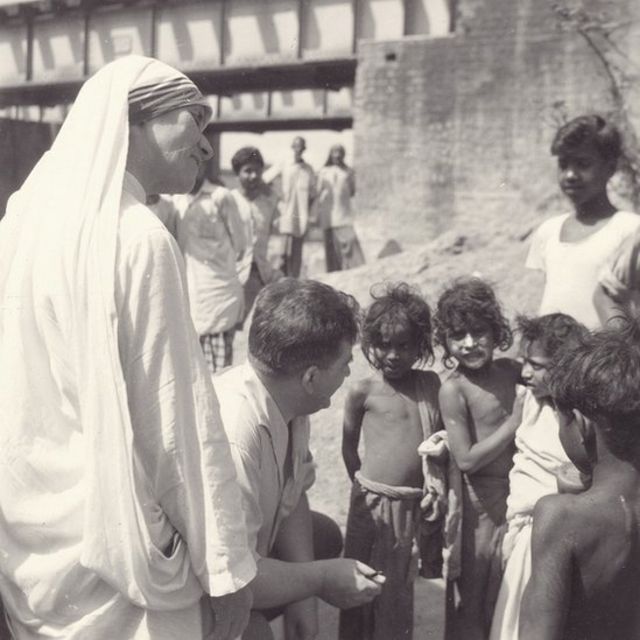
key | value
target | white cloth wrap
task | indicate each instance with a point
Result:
(57, 257)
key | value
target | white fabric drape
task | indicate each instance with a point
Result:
(68, 491)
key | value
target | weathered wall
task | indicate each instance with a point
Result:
(449, 130)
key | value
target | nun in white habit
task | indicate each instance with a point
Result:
(119, 514)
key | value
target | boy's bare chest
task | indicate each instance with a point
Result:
(489, 405)
(394, 411)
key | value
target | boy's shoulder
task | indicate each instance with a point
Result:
(570, 518)
(550, 226)
(628, 221)
(454, 385)
(363, 387)
(554, 519)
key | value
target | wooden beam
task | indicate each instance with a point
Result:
(312, 74)
(280, 124)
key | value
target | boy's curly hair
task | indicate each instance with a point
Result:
(554, 332)
(396, 303)
(467, 303)
(600, 377)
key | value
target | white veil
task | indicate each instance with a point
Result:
(57, 274)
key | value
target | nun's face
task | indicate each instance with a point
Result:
(175, 149)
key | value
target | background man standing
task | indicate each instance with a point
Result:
(298, 193)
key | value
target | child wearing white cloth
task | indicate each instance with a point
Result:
(537, 462)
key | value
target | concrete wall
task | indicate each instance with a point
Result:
(449, 130)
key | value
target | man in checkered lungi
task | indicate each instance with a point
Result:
(212, 237)
(218, 349)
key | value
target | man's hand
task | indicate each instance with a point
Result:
(301, 620)
(348, 583)
(231, 613)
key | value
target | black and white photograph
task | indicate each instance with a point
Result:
(319, 320)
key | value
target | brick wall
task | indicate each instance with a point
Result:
(450, 129)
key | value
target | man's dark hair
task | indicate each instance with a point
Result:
(590, 129)
(396, 304)
(244, 156)
(554, 332)
(600, 377)
(300, 323)
(467, 303)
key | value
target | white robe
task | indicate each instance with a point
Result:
(118, 498)
(539, 457)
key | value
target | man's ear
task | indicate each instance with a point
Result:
(308, 379)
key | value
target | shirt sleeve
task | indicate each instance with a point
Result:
(537, 248)
(619, 277)
(181, 449)
(248, 470)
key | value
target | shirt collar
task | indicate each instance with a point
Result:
(271, 416)
(132, 186)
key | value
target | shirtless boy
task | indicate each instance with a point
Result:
(395, 412)
(585, 548)
(481, 413)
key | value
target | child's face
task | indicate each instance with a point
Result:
(337, 154)
(583, 173)
(472, 346)
(250, 175)
(535, 369)
(397, 350)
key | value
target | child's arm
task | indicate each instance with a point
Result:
(473, 456)
(547, 596)
(353, 414)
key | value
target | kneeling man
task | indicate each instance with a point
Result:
(300, 343)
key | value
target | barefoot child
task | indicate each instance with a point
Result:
(572, 248)
(480, 413)
(395, 411)
(585, 548)
(540, 462)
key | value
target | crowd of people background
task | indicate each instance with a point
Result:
(141, 496)
(235, 242)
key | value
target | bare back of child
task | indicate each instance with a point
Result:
(587, 558)
(585, 548)
(392, 411)
(481, 412)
